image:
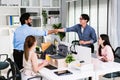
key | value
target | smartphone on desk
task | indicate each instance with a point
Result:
(62, 72)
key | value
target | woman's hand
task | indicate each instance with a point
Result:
(45, 63)
(104, 59)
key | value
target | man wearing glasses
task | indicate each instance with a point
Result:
(86, 34)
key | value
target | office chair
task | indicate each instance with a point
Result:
(3, 64)
(16, 74)
(116, 59)
(72, 47)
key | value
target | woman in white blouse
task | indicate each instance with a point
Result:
(30, 60)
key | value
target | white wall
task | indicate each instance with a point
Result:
(6, 38)
(118, 21)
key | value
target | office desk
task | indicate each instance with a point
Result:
(77, 74)
(101, 68)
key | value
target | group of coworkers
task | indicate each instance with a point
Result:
(24, 42)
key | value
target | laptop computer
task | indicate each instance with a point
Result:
(61, 53)
(51, 67)
(83, 54)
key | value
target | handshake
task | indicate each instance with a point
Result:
(55, 31)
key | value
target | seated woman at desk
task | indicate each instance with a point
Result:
(30, 60)
(105, 50)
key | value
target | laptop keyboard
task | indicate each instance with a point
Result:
(50, 67)
(57, 56)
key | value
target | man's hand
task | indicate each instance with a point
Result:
(82, 42)
(53, 31)
(56, 31)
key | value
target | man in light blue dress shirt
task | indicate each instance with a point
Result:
(21, 33)
(86, 34)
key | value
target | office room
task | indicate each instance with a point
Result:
(59, 40)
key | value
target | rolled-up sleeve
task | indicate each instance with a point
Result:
(71, 29)
(93, 36)
(41, 32)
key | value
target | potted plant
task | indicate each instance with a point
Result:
(69, 58)
(38, 51)
(60, 34)
(44, 14)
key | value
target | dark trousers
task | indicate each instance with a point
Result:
(92, 48)
(18, 58)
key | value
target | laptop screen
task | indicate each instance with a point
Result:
(62, 50)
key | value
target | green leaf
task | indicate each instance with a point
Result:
(69, 58)
(58, 26)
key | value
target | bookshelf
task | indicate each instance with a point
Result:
(11, 10)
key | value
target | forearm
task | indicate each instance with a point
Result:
(88, 42)
(85, 42)
(40, 65)
(61, 30)
(51, 31)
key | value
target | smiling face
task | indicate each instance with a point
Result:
(82, 21)
(100, 41)
(29, 21)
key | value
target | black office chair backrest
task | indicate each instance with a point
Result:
(72, 47)
(75, 42)
(117, 55)
(3, 57)
(16, 75)
(116, 59)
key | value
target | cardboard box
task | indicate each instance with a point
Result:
(59, 63)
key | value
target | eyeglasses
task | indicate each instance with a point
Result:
(81, 18)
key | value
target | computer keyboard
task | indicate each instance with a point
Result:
(50, 67)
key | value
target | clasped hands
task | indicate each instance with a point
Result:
(56, 31)
(82, 42)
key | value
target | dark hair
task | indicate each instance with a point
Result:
(24, 17)
(106, 42)
(29, 42)
(85, 17)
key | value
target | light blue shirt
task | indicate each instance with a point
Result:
(22, 32)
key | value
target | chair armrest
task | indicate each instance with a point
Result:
(35, 77)
(4, 55)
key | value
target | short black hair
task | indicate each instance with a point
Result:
(24, 17)
(85, 17)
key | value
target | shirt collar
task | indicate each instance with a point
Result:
(24, 25)
(85, 27)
